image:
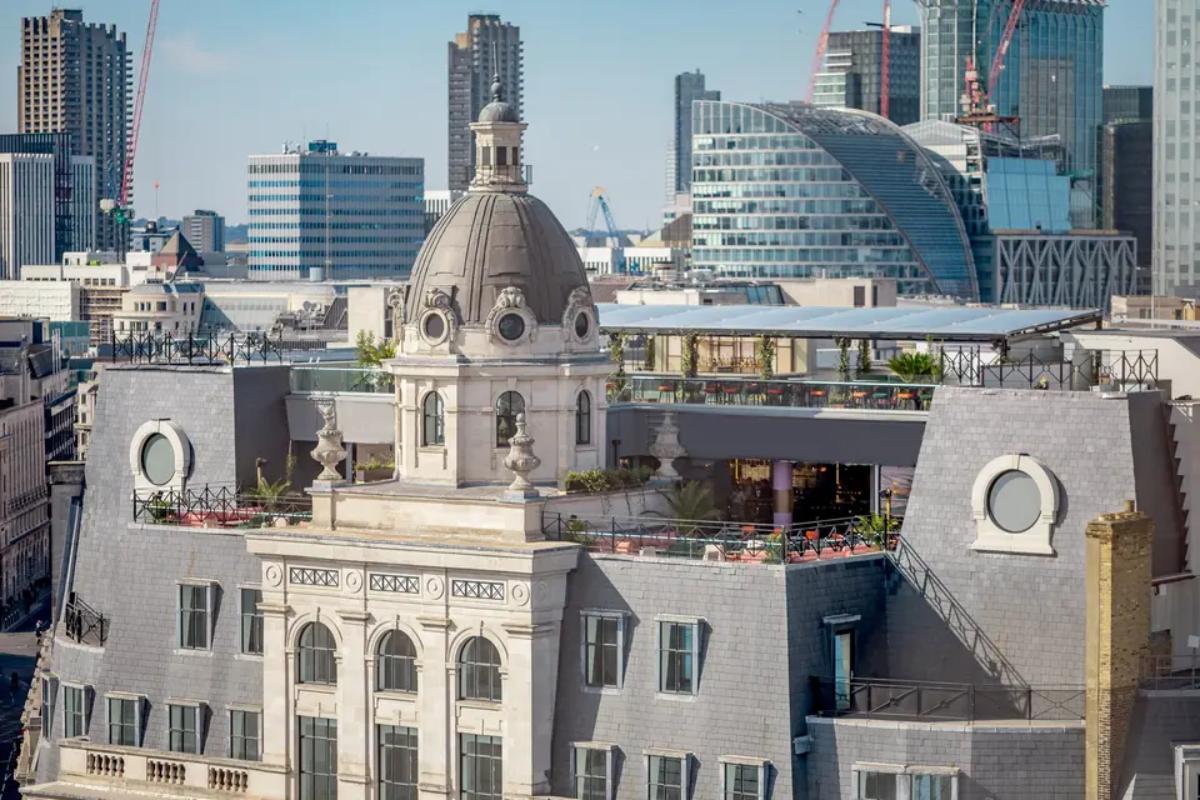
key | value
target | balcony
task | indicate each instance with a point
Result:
(220, 507)
(162, 774)
(365, 380)
(704, 540)
(781, 393)
(83, 624)
(917, 701)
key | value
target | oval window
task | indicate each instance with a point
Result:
(435, 327)
(1014, 502)
(158, 459)
(582, 325)
(511, 327)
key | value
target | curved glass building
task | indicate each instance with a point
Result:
(797, 191)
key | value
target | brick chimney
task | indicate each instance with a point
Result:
(1119, 549)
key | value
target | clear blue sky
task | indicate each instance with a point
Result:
(234, 77)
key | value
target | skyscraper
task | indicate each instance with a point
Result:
(689, 86)
(1052, 75)
(318, 213)
(1176, 122)
(74, 190)
(74, 78)
(488, 47)
(26, 211)
(1126, 175)
(205, 230)
(853, 72)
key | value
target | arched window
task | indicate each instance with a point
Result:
(479, 671)
(315, 655)
(396, 667)
(583, 418)
(507, 407)
(433, 420)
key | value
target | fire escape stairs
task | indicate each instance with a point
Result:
(1180, 508)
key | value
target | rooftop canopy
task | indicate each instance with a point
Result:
(944, 323)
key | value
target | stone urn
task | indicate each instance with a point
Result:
(666, 448)
(521, 461)
(329, 451)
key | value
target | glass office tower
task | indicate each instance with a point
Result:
(1052, 77)
(798, 191)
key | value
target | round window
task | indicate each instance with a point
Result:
(582, 324)
(511, 327)
(434, 327)
(158, 459)
(1014, 502)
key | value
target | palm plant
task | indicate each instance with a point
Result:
(692, 501)
(270, 493)
(913, 366)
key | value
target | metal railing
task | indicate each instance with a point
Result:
(796, 393)
(153, 347)
(725, 541)
(219, 506)
(882, 698)
(366, 380)
(1117, 368)
(1171, 672)
(84, 624)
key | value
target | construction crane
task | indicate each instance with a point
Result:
(599, 203)
(978, 108)
(119, 206)
(822, 45)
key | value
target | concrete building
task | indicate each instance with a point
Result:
(689, 87)
(1052, 77)
(437, 203)
(465, 627)
(58, 300)
(796, 191)
(26, 211)
(205, 230)
(853, 71)
(100, 285)
(74, 188)
(319, 213)
(1176, 119)
(635, 260)
(76, 78)
(487, 48)
(160, 308)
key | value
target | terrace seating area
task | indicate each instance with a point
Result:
(220, 507)
(783, 393)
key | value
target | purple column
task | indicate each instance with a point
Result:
(781, 483)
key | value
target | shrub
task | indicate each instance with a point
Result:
(594, 481)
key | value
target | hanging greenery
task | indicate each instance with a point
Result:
(688, 361)
(649, 366)
(864, 358)
(765, 355)
(843, 367)
(616, 352)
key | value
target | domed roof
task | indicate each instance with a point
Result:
(499, 110)
(489, 241)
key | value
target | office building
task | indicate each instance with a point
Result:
(853, 71)
(26, 211)
(689, 87)
(797, 191)
(1176, 261)
(321, 214)
(76, 78)
(486, 49)
(1052, 75)
(74, 187)
(1128, 103)
(437, 203)
(1015, 203)
(205, 230)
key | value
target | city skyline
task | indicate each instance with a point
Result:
(229, 81)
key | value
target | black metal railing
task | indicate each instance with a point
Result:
(881, 698)
(219, 506)
(1171, 672)
(1118, 368)
(84, 624)
(164, 348)
(726, 541)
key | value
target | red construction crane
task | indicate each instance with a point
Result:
(885, 78)
(143, 79)
(1010, 28)
(822, 44)
(978, 110)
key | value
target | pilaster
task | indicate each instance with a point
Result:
(436, 697)
(354, 708)
(276, 707)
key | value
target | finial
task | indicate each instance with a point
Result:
(521, 461)
(329, 451)
(497, 88)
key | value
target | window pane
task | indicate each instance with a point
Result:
(397, 762)
(397, 663)
(666, 778)
(252, 622)
(741, 782)
(591, 774)
(675, 641)
(193, 617)
(877, 786)
(479, 671)
(480, 773)
(318, 758)
(931, 787)
(244, 735)
(73, 712)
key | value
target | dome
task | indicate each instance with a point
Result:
(498, 111)
(489, 241)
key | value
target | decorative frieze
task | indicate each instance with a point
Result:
(477, 590)
(308, 576)
(400, 584)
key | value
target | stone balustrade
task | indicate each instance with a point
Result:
(169, 774)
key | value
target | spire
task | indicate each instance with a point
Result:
(497, 88)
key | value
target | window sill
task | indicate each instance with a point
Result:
(194, 651)
(676, 697)
(257, 657)
(601, 689)
(482, 705)
(395, 694)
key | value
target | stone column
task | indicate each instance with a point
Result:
(1118, 638)
(354, 707)
(277, 661)
(529, 694)
(436, 705)
(781, 482)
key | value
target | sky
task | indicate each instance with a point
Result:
(235, 77)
